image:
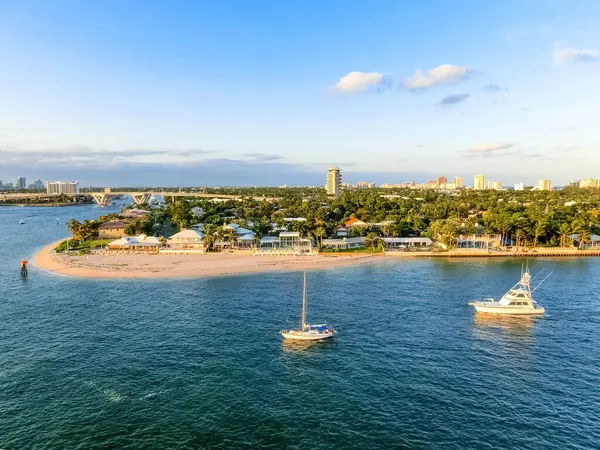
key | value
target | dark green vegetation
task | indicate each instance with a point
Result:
(525, 218)
(528, 218)
(25, 199)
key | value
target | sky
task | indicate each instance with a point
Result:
(213, 93)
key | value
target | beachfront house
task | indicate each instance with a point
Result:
(245, 238)
(593, 241)
(112, 229)
(401, 243)
(479, 241)
(186, 240)
(343, 243)
(137, 243)
(288, 242)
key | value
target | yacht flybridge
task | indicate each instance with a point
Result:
(307, 331)
(517, 301)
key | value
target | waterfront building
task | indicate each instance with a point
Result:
(334, 181)
(544, 185)
(479, 182)
(21, 183)
(396, 243)
(459, 183)
(62, 187)
(343, 244)
(112, 229)
(288, 242)
(520, 187)
(187, 240)
(141, 242)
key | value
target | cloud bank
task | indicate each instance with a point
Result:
(487, 149)
(356, 82)
(572, 55)
(493, 88)
(444, 74)
(453, 99)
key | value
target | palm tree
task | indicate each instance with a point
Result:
(538, 230)
(319, 232)
(564, 230)
(585, 237)
(374, 242)
(77, 230)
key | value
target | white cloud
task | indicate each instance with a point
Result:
(487, 149)
(444, 74)
(362, 82)
(571, 55)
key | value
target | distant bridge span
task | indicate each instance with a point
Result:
(104, 198)
(139, 197)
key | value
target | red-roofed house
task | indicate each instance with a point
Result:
(355, 223)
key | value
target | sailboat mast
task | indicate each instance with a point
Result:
(303, 323)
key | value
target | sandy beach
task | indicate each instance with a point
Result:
(183, 265)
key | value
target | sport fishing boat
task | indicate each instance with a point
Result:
(517, 301)
(307, 331)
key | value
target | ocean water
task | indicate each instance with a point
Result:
(198, 363)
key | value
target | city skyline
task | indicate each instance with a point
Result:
(233, 93)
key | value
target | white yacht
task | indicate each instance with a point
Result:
(517, 301)
(307, 331)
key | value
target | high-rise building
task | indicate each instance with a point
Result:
(364, 185)
(459, 183)
(21, 183)
(520, 187)
(589, 183)
(479, 182)
(334, 181)
(37, 184)
(494, 185)
(61, 187)
(544, 185)
(439, 181)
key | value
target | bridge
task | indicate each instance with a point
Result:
(139, 197)
(106, 197)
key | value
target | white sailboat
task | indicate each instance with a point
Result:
(307, 331)
(517, 301)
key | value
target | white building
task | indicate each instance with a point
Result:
(62, 187)
(589, 183)
(545, 185)
(364, 185)
(479, 182)
(495, 185)
(520, 187)
(334, 181)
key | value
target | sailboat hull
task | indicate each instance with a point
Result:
(306, 335)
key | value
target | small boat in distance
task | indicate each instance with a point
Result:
(21, 222)
(517, 301)
(307, 331)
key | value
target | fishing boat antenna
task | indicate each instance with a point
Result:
(540, 283)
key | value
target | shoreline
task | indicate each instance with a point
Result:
(183, 265)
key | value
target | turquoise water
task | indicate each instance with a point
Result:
(198, 363)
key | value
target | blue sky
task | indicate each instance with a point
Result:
(271, 92)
